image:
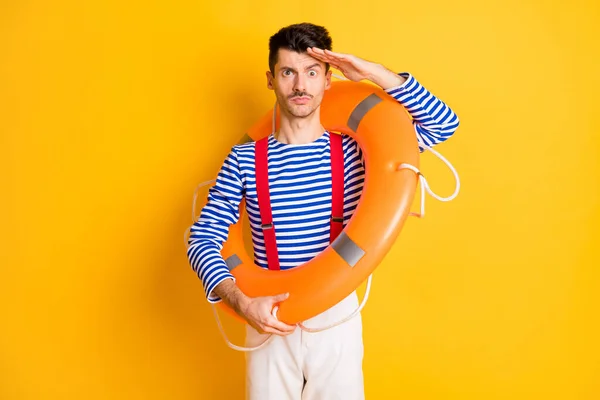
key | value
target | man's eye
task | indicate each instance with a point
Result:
(287, 72)
(312, 73)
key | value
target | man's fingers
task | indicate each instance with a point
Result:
(329, 57)
(333, 60)
(278, 328)
(272, 325)
(328, 53)
(339, 56)
(280, 297)
(276, 331)
(315, 52)
(263, 328)
(275, 323)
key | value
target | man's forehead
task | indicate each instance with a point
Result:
(293, 59)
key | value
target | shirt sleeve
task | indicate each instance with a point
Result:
(433, 120)
(210, 231)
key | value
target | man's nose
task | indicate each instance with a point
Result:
(300, 83)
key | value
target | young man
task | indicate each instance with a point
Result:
(297, 364)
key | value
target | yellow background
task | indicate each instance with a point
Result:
(112, 112)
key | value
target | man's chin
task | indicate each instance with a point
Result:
(301, 112)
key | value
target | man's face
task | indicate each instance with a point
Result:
(299, 82)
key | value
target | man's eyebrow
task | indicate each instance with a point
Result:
(292, 69)
(314, 65)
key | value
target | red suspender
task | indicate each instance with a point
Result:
(264, 199)
(264, 202)
(337, 186)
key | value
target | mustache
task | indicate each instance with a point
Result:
(300, 94)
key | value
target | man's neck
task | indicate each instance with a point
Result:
(293, 130)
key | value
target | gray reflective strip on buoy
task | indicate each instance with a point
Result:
(233, 261)
(362, 109)
(347, 249)
(245, 139)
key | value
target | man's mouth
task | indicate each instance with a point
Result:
(300, 99)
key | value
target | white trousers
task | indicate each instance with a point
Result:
(324, 365)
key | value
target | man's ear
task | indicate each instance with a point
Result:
(270, 80)
(328, 79)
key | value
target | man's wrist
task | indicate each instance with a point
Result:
(385, 78)
(241, 302)
(231, 294)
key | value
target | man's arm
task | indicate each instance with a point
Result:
(208, 234)
(434, 121)
(231, 294)
(204, 252)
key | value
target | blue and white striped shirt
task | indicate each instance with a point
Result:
(300, 189)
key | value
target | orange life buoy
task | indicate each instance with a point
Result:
(384, 131)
